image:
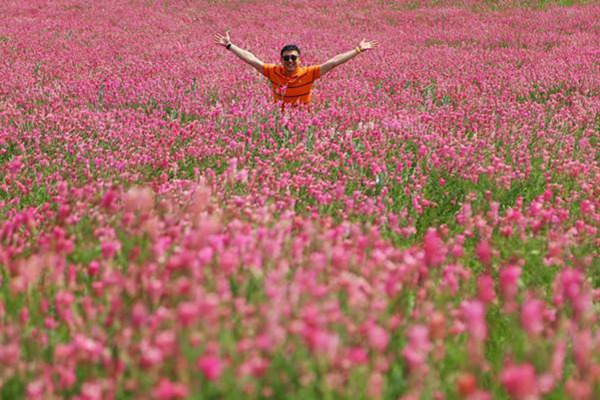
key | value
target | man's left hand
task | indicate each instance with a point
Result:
(368, 44)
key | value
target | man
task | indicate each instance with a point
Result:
(292, 83)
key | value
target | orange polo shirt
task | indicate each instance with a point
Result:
(295, 88)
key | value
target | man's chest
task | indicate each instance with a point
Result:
(300, 79)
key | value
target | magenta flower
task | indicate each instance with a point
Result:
(485, 288)
(416, 351)
(357, 356)
(108, 199)
(211, 367)
(168, 390)
(378, 337)
(520, 381)
(110, 248)
(509, 277)
(435, 250)
(139, 199)
(484, 252)
(473, 314)
(532, 316)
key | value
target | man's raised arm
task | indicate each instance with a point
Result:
(364, 45)
(225, 41)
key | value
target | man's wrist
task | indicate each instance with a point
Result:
(228, 46)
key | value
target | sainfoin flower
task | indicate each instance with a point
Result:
(532, 316)
(168, 390)
(435, 250)
(417, 348)
(211, 366)
(509, 277)
(484, 252)
(473, 313)
(485, 288)
(519, 381)
(378, 337)
(139, 199)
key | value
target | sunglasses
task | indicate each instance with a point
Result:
(293, 57)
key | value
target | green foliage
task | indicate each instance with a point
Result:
(13, 388)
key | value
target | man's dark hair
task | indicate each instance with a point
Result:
(290, 47)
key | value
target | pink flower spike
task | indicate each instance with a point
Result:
(485, 288)
(509, 277)
(473, 313)
(358, 356)
(378, 337)
(435, 251)
(211, 366)
(167, 390)
(532, 316)
(484, 252)
(520, 381)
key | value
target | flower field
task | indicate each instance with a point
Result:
(428, 229)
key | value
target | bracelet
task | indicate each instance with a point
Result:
(228, 45)
(358, 49)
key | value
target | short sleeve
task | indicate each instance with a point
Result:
(315, 72)
(268, 70)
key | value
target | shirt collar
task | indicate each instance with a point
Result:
(294, 74)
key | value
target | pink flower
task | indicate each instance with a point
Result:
(583, 349)
(485, 288)
(10, 354)
(167, 390)
(509, 277)
(435, 251)
(200, 199)
(187, 313)
(91, 391)
(558, 359)
(151, 356)
(569, 284)
(139, 199)
(473, 314)
(66, 377)
(375, 385)
(110, 248)
(255, 366)
(520, 381)
(93, 268)
(108, 199)
(35, 389)
(358, 356)
(466, 384)
(532, 316)
(480, 395)
(378, 337)
(416, 351)
(484, 252)
(321, 341)
(579, 389)
(211, 366)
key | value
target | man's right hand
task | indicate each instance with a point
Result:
(222, 40)
(225, 40)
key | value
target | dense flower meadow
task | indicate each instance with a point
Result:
(428, 229)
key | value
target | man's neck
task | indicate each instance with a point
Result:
(290, 73)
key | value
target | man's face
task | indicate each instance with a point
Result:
(290, 60)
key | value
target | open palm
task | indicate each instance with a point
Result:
(222, 40)
(368, 44)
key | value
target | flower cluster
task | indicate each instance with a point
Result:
(427, 229)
